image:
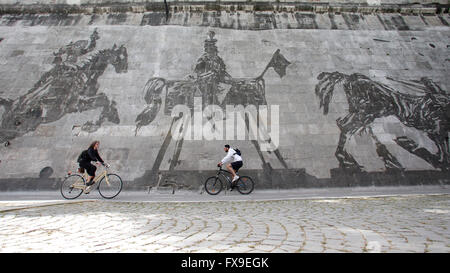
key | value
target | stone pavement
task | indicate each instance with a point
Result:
(376, 223)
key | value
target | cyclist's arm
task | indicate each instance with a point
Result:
(95, 156)
(228, 157)
(99, 158)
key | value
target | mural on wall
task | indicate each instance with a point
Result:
(369, 100)
(69, 87)
(210, 81)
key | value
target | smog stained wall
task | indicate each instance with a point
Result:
(363, 98)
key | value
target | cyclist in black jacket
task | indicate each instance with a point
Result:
(85, 158)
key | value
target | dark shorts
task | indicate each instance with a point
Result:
(90, 169)
(236, 165)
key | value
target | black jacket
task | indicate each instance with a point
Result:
(90, 155)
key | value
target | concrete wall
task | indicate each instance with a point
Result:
(100, 2)
(319, 6)
(66, 80)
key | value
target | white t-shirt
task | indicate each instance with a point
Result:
(231, 156)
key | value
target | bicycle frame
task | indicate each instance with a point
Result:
(222, 172)
(82, 186)
(215, 184)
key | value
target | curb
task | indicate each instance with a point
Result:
(41, 205)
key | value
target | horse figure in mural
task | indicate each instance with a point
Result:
(214, 85)
(63, 90)
(369, 100)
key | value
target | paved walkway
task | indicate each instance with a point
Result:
(378, 223)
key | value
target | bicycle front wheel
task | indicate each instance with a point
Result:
(72, 186)
(213, 185)
(110, 186)
(245, 185)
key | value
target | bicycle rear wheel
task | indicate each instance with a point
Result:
(245, 185)
(110, 186)
(72, 186)
(213, 185)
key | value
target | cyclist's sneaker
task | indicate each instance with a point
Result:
(234, 182)
(90, 183)
(87, 189)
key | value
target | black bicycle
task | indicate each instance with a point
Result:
(215, 184)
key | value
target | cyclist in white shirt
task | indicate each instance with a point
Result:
(232, 161)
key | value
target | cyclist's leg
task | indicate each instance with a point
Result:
(91, 172)
(90, 169)
(231, 170)
(235, 167)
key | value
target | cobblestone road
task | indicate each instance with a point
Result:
(416, 223)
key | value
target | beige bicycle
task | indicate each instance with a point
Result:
(109, 185)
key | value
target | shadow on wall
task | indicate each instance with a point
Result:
(264, 179)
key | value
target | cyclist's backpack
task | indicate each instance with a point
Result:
(238, 152)
(83, 156)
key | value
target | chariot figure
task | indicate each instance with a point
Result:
(210, 81)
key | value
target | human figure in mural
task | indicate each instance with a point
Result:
(65, 89)
(73, 51)
(210, 80)
(369, 100)
(211, 71)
